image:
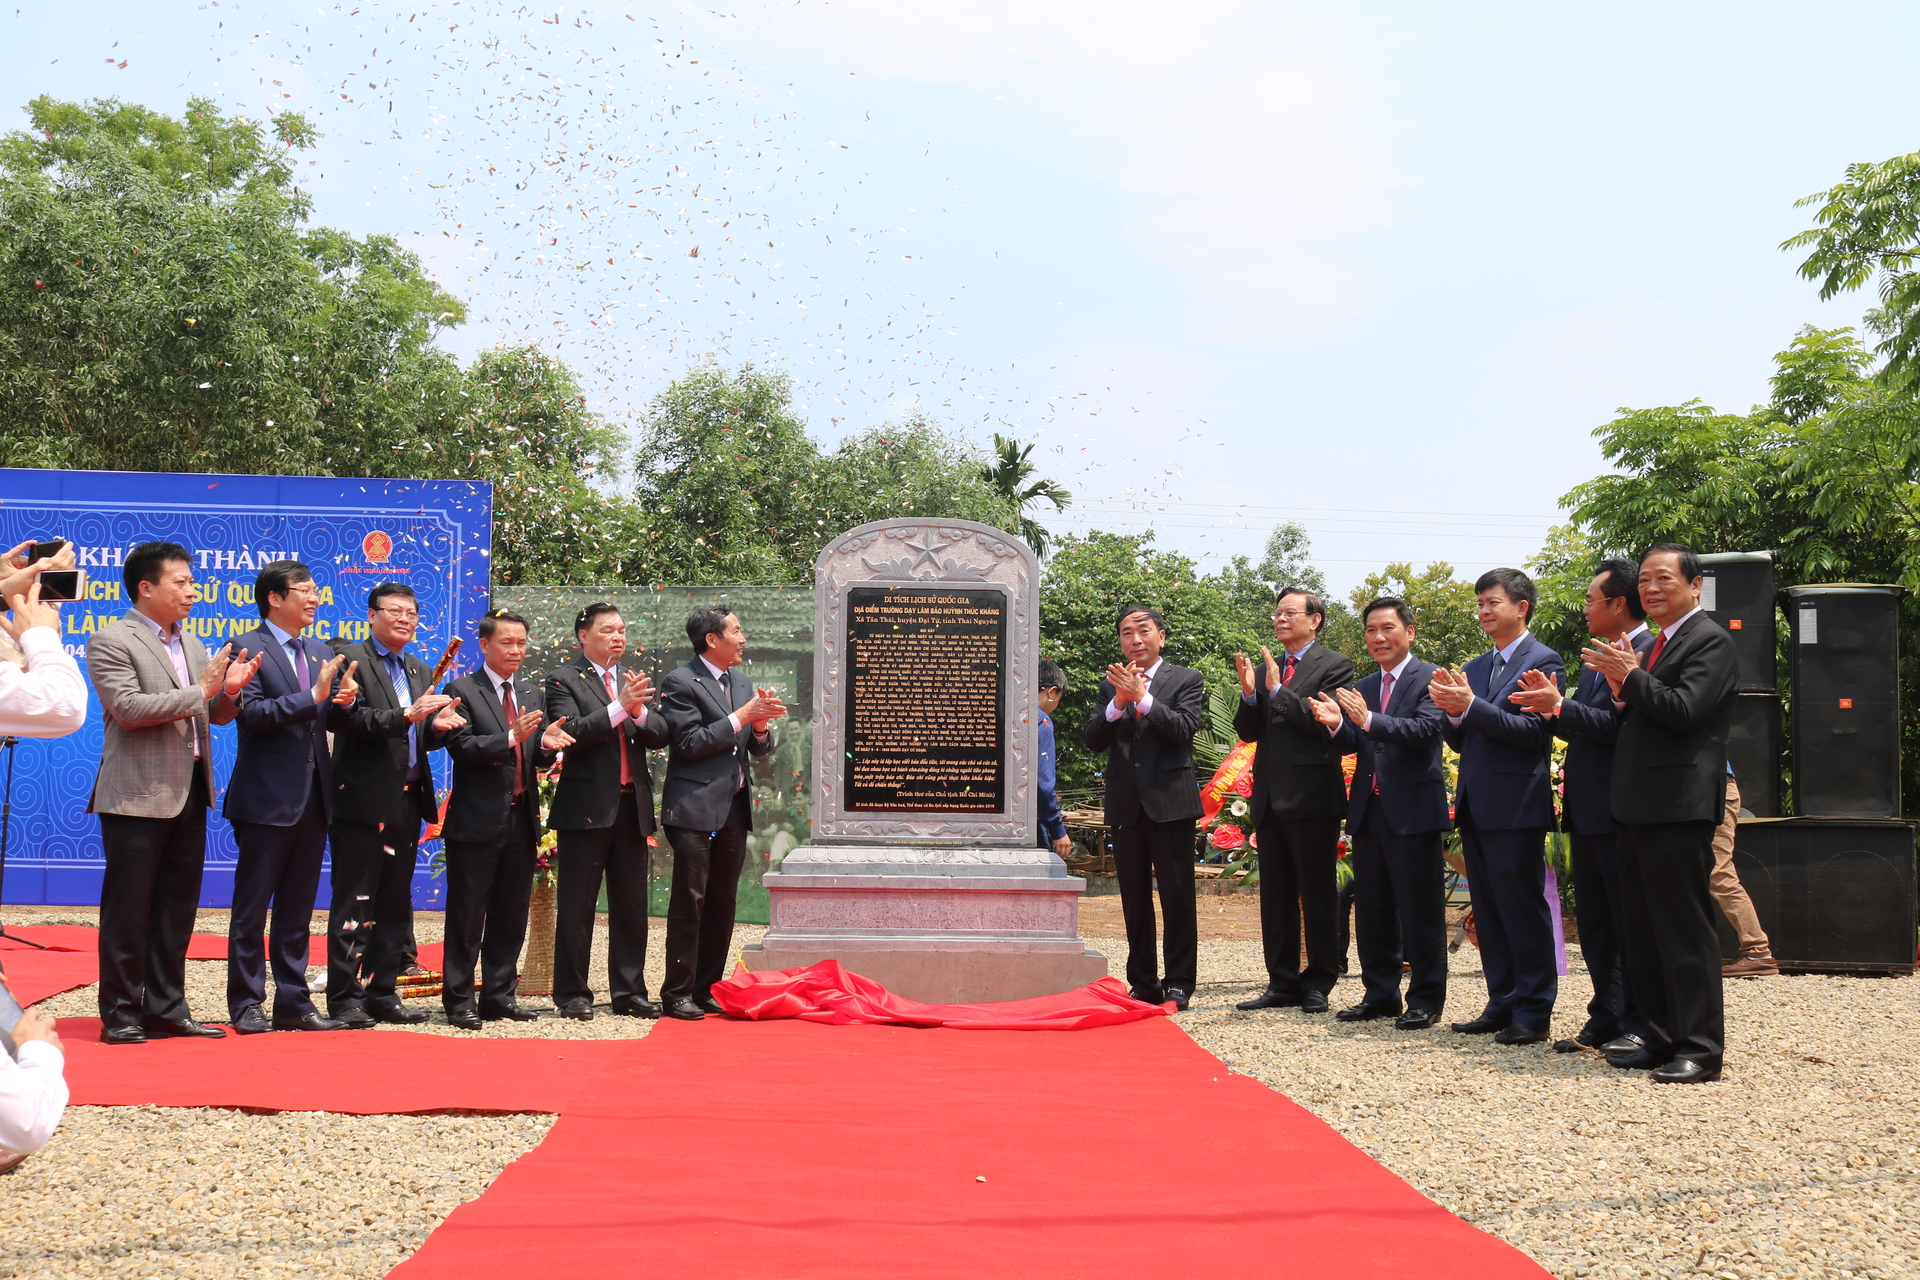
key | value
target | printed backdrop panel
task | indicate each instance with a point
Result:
(433, 535)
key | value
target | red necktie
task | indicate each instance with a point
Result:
(506, 704)
(1659, 643)
(1386, 689)
(626, 771)
(1288, 677)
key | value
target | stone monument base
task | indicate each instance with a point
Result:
(947, 977)
(941, 924)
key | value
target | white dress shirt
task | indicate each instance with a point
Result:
(616, 713)
(33, 1093)
(49, 698)
(1399, 671)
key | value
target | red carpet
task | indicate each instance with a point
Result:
(785, 1149)
(825, 992)
(360, 1073)
(32, 976)
(54, 937)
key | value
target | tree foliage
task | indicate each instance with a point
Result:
(1446, 626)
(1010, 474)
(1868, 232)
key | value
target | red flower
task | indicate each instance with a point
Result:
(1244, 787)
(1227, 836)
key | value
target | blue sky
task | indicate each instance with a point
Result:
(1379, 269)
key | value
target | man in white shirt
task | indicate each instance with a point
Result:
(33, 1090)
(48, 697)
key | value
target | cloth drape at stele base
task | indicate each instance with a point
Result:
(826, 992)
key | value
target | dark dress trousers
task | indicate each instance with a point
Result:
(1669, 787)
(279, 801)
(603, 826)
(1396, 817)
(1299, 797)
(1504, 804)
(375, 836)
(492, 832)
(1152, 800)
(1589, 727)
(706, 806)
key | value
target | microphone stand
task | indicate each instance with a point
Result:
(7, 743)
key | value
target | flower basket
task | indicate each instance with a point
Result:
(536, 962)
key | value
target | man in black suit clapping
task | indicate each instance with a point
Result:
(1147, 713)
(1299, 797)
(717, 720)
(603, 810)
(1669, 785)
(1585, 720)
(1396, 817)
(492, 828)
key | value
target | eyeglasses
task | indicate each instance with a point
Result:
(1288, 613)
(400, 615)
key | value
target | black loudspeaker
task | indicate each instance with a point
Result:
(1833, 895)
(1753, 749)
(1736, 587)
(1846, 700)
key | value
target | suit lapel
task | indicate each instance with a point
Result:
(144, 634)
(277, 656)
(704, 681)
(583, 668)
(489, 698)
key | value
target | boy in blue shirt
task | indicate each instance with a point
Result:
(1053, 827)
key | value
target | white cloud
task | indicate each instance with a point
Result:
(1251, 150)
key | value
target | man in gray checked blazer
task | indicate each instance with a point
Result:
(160, 693)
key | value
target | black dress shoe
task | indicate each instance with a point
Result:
(1639, 1060)
(465, 1019)
(353, 1017)
(636, 1008)
(308, 1021)
(1314, 1002)
(1519, 1033)
(182, 1029)
(1587, 1039)
(580, 1009)
(1180, 996)
(1628, 1043)
(250, 1021)
(1269, 999)
(706, 1002)
(123, 1035)
(1415, 1020)
(396, 1011)
(1685, 1071)
(683, 1008)
(508, 1013)
(1146, 995)
(1367, 1011)
(1480, 1026)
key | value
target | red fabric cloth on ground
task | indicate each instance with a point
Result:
(359, 1073)
(786, 1149)
(826, 992)
(32, 976)
(54, 937)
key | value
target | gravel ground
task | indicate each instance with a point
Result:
(1803, 1161)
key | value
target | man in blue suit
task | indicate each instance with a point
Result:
(279, 800)
(1504, 805)
(1396, 814)
(1588, 724)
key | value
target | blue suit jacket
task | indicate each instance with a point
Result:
(1401, 748)
(283, 736)
(1505, 753)
(1589, 727)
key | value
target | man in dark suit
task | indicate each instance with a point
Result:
(1669, 784)
(280, 799)
(1396, 816)
(382, 792)
(492, 827)
(1147, 713)
(716, 721)
(1504, 805)
(159, 691)
(603, 810)
(1586, 722)
(1299, 797)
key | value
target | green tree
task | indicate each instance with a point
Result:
(914, 469)
(162, 307)
(1010, 475)
(1445, 613)
(1561, 570)
(1287, 560)
(1868, 232)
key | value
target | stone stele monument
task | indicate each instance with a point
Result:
(923, 872)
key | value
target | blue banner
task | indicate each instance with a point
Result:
(433, 535)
